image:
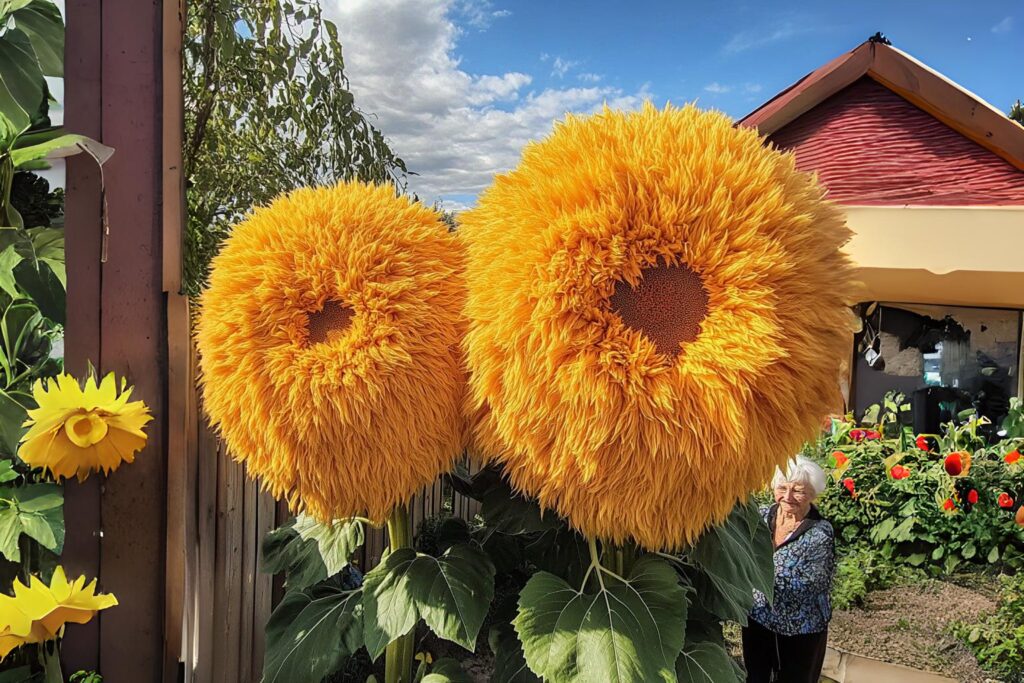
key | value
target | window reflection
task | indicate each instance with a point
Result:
(944, 358)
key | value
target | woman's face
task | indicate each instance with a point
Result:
(794, 498)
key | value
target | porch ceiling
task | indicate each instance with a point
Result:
(956, 255)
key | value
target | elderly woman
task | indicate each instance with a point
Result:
(785, 639)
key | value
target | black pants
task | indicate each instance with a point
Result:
(773, 658)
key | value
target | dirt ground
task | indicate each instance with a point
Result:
(908, 625)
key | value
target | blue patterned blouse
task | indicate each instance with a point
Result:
(804, 564)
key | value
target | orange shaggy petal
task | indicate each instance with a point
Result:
(583, 411)
(361, 416)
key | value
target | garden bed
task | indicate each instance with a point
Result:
(909, 625)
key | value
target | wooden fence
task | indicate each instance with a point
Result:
(227, 598)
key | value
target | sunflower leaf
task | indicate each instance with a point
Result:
(734, 559)
(311, 633)
(509, 662)
(37, 511)
(626, 632)
(450, 593)
(309, 552)
(335, 541)
(704, 661)
(447, 670)
(285, 551)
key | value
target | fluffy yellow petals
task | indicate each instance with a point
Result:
(38, 612)
(581, 407)
(329, 342)
(81, 429)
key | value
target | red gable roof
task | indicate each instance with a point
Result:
(879, 127)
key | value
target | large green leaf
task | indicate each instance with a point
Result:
(42, 285)
(447, 670)
(54, 144)
(707, 662)
(509, 662)
(627, 632)
(309, 552)
(7, 471)
(36, 511)
(22, 87)
(42, 23)
(451, 594)
(12, 415)
(311, 633)
(9, 258)
(38, 246)
(335, 541)
(734, 559)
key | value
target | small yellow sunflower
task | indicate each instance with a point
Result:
(657, 309)
(38, 612)
(77, 430)
(329, 344)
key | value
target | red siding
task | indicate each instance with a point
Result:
(870, 146)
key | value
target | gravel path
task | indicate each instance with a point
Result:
(907, 625)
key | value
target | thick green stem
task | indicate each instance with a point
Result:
(398, 656)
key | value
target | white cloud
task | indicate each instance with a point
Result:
(717, 88)
(1004, 26)
(749, 40)
(560, 67)
(454, 128)
(479, 14)
(589, 77)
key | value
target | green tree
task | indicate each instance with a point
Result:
(1017, 112)
(267, 109)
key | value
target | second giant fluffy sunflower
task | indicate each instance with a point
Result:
(329, 342)
(657, 309)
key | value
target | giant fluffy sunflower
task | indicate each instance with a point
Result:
(329, 343)
(657, 310)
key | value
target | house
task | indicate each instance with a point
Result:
(931, 178)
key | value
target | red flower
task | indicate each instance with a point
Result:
(922, 443)
(1005, 501)
(1012, 457)
(972, 496)
(858, 435)
(899, 472)
(957, 463)
(848, 483)
(872, 434)
(840, 458)
(949, 505)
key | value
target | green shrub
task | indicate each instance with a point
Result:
(863, 570)
(997, 640)
(906, 518)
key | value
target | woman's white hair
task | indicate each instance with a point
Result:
(802, 470)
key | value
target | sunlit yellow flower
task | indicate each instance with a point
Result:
(38, 612)
(657, 307)
(77, 430)
(329, 344)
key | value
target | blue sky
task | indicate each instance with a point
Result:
(459, 86)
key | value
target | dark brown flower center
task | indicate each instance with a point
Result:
(328, 322)
(667, 306)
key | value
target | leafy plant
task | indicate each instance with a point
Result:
(891, 490)
(997, 640)
(576, 611)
